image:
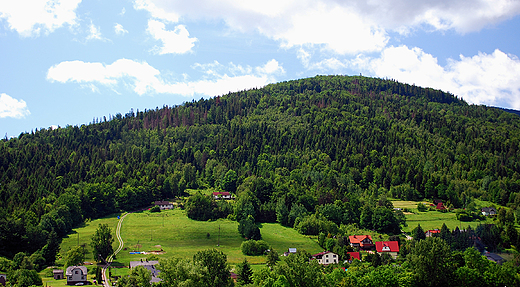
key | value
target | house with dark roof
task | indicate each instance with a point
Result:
(488, 211)
(150, 265)
(76, 274)
(494, 257)
(389, 247)
(57, 274)
(361, 241)
(164, 204)
(326, 257)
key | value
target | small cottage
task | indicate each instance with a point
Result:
(326, 258)
(389, 247)
(164, 204)
(76, 274)
(222, 195)
(431, 233)
(488, 211)
(57, 274)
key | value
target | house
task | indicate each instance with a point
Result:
(3, 279)
(221, 195)
(164, 204)
(440, 206)
(354, 255)
(488, 211)
(361, 241)
(431, 233)
(291, 250)
(389, 247)
(150, 265)
(76, 274)
(494, 257)
(326, 258)
(57, 274)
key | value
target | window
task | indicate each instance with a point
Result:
(77, 272)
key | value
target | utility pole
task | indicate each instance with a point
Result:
(218, 238)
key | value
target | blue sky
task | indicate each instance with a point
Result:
(66, 62)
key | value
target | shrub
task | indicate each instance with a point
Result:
(155, 209)
(421, 207)
(254, 247)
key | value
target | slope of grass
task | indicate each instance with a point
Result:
(178, 236)
(433, 219)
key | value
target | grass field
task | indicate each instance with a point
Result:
(432, 219)
(178, 236)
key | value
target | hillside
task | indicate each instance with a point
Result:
(311, 141)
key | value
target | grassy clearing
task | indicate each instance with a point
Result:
(432, 219)
(178, 236)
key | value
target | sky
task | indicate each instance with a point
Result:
(68, 62)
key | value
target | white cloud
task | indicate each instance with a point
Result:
(143, 78)
(491, 79)
(177, 41)
(12, 108)
(31, 17)
(94, 33)
(343, 27)
(118, 28)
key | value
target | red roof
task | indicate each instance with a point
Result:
(354, 255)
(387, 246)
(440, 206)
(221, 193)
(434, 231)
(358, 239)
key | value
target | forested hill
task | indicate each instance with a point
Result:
(315, 140)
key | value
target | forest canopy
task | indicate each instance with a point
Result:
(306, 146)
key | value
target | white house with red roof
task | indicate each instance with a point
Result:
(326, 257)
(431, 233)
(361, 241)
(222, 195)
(389, 247)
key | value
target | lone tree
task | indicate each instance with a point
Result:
(102, 242)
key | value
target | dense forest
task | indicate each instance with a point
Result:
(309, 146)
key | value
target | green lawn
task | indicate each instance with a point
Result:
(178, 236)
(432, 219)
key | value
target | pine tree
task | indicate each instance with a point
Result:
(245, 273)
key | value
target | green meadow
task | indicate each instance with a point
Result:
(173, 234)
(432, 219)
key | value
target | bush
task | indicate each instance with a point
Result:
(155, 209)
(254, 247)
(421, 207)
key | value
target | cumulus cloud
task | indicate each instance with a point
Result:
(12, 108)
(31, 17)
(343, 27)
(177, 41)
(490, 79)
(143, 78)
(118, 28)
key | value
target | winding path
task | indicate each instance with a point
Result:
(111, 258)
